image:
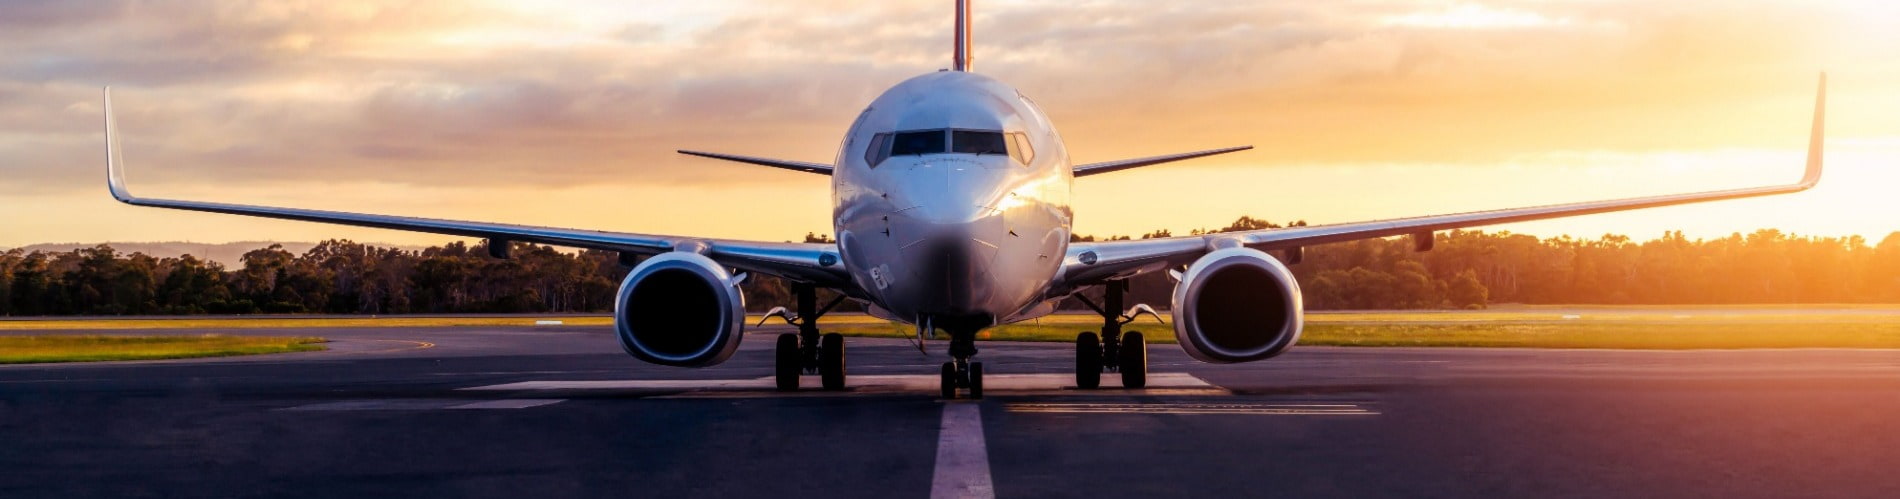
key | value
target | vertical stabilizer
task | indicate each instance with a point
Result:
(961, 58)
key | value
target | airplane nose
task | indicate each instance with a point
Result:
(949, 242)
(950, 214)
(949, 191)
(962, 240)
(948, 273)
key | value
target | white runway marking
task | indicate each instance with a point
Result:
(963, 462)
(1310, 409)
(629, 384)
(995, 384)
(508, 404)
(376, 405)
(422, 404)
(413, 345)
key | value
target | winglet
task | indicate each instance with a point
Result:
(1818, 137)
(115, 162)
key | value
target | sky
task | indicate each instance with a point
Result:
(569, 115)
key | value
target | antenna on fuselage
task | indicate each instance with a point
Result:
(960, 59)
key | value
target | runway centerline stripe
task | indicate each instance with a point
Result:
(963, 462)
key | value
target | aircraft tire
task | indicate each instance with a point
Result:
(831, 361)
(949, 381)
(976, 380)
(1088, 360)
(1134, 360)
(786, 366)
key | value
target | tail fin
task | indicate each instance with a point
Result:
(960, 59)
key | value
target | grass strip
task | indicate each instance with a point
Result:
(95, 348)
(289, 322)
(1640, 336)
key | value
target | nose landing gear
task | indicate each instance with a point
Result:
(961, 372)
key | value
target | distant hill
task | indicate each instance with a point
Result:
(229, 254)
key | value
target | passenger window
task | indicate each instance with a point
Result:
(879, 149)
(978, 142)
(1019, 148)
(918, 143)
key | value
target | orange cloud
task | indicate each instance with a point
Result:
(489, 97)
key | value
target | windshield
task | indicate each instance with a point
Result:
(978, 142)
(920, 142)
(939, 141)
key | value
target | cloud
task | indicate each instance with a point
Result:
(1473, 16)
(486, 94)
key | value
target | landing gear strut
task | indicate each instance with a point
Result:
(808, 352)
(961, 372)
(1113, 351)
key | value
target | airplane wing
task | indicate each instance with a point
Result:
(1115, 166)
(813, 263)
(1088, 263)
(775, 163)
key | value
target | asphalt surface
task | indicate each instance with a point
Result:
(561, 412)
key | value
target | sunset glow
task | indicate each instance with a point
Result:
(514, 112)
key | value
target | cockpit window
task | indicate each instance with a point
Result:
(921, 142)
(918, 143)
(879, 149)
(1020, 149)
(978, 142)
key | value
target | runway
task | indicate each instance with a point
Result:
(561, 411)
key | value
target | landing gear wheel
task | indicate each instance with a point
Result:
(788, 363)
(949, 381)
(976, 380)
(1134, 360)
(1088, 360)
(831, 361)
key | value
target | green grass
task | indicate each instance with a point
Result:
(335, 322)
(280, 322)
(1699, 328)
(1890, 307)
(94, 348)
(288, 322)
(1595, 335)
(1533, 326)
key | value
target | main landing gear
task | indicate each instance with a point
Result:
(1113, 351)
(807, 352)
(961, 373)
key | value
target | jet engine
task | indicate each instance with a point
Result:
(1237, 305)
(680, 309)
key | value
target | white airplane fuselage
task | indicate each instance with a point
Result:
(953, 239)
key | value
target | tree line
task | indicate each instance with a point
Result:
(1465, 269)
(1471, 269)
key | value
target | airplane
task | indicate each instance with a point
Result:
(951, 212)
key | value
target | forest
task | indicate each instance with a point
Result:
(1465, 269)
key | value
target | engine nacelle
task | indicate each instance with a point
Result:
(1237, 305)
(680, 309)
